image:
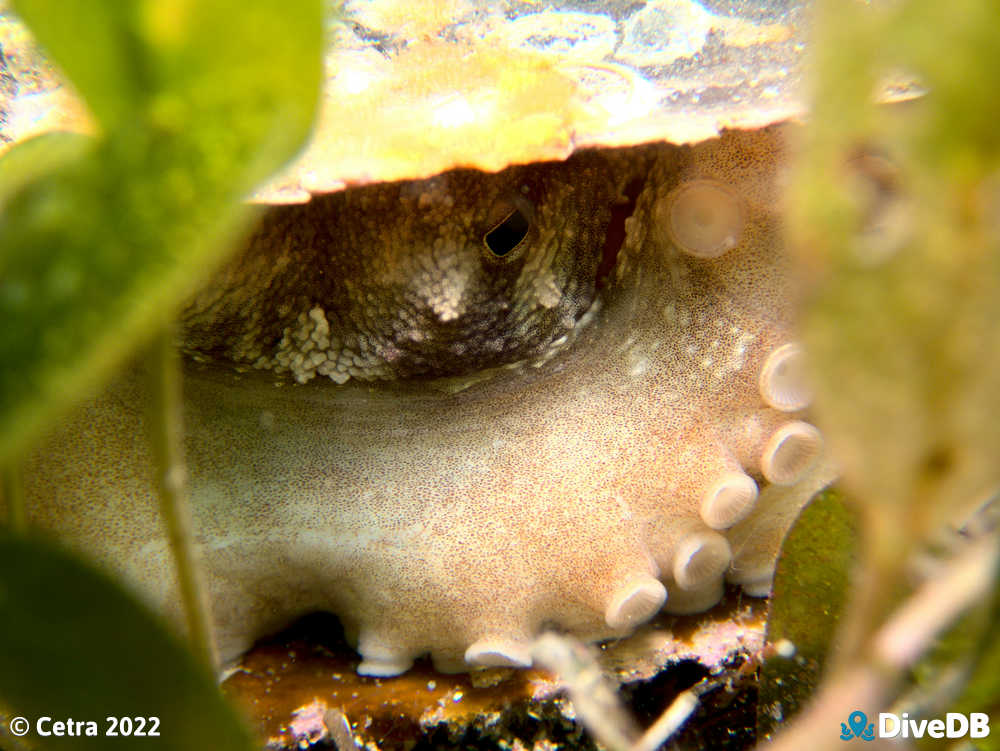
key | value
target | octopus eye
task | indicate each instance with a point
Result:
(705, 218)
(508, 233)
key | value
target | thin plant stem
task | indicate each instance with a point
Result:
(906, 635)
(13, 495)
(168, 462)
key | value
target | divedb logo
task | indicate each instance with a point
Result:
(889, 725)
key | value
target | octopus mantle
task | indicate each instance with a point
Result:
(650, 445)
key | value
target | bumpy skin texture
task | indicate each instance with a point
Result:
(397, 280)
(579, 486)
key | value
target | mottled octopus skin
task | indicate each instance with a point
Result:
(462, 517)
(395, 281)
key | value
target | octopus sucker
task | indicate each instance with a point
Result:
(436, 410)
(636, 601)
(701, 559)
(381, 661)
(728, 499)
(499, 653)
(783, 383)
(790, 452)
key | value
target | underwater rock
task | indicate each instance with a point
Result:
(300, 688)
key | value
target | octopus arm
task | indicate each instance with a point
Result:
(644, 442)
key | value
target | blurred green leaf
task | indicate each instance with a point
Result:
(895, 210)
(197, 103)
(77, 645)
(811, 588)
(37, 157)
(101, 50)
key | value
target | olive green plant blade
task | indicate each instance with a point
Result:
(895, 210)
(196, 102)
(38, 157)
(77, 645)
(811, 587)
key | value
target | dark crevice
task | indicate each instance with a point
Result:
(615, 236)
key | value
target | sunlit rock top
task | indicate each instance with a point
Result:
(416, 88)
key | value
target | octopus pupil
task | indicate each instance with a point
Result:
(508, 234)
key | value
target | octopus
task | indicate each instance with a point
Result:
(460, 411)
